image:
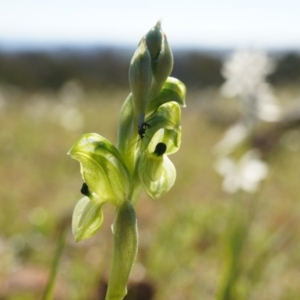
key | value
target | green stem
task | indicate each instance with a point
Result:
(125, 250)
(48, 292)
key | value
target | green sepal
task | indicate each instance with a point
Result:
(102, 168)
(125, 250)
(87, 218)
(165, 173)
(172, 90)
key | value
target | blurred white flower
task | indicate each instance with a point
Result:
(244, 71)
(268, 108)
(246, 174)
(245, 74)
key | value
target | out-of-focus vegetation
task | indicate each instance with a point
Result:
(191, 235)
(98, 69)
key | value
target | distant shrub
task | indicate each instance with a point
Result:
(288, 70)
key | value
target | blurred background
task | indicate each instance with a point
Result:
(229, 228)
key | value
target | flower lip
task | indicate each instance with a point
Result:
(160, 149)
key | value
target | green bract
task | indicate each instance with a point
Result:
(149, 130)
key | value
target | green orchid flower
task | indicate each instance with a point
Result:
(149, 130)
(107, 178)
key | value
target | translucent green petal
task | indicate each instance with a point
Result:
(172, 90)
(87, 219)
(171, 138)
(102, 168)
(150, 167)
(164, 127)
(167, 171)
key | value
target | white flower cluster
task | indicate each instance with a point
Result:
(245, 73)
(245, 174)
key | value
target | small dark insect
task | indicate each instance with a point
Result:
(142, 130)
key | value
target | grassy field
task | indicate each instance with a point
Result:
(196, 242)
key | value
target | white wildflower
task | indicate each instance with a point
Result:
(246, 174)
(245, 73)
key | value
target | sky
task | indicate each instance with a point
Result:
(218, 24)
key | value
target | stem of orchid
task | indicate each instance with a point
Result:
(125, 250)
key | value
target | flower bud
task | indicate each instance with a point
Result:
(140, 78)
(154, 41)
(162, 66)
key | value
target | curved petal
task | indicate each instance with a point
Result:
(171, 138)
(164, 126)
(172, 90)
(165, 173)
(87, 219)
(102, 168)
(166, 181)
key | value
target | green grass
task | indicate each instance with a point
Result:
(196, 242)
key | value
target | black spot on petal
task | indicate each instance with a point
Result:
(160, 149)
(85, 189)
